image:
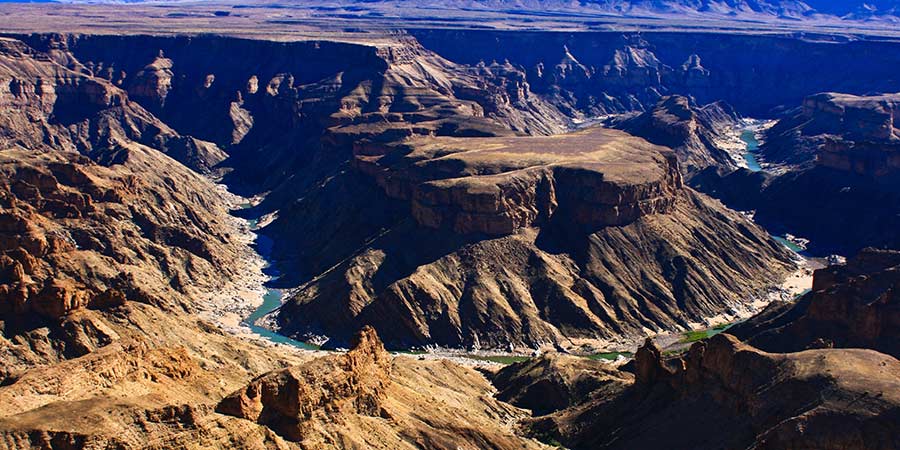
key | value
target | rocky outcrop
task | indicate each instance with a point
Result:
(368, 398)
(526, 242)
(555, 381)
(591, 179)
(286, 400)
(829, 360)
(850, 306)
(849, 133)
(762, 400)
(694, 132)
(152, 84)
(94, 214)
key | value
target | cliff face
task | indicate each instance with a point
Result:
(849, 133)
(850, 306)
(530, 241)
(621, 72)
(496, 186)
(837, 182)
(288, 400)
(92, 218)
(694, 132)
(762, 400)
(366, 398)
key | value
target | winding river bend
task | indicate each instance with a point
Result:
(272, 298)
(750, 153)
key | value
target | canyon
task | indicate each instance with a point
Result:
(836, 177)
(431, 192)
(793, 397)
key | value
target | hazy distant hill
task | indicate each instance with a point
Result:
(738, 9)
(788, 9)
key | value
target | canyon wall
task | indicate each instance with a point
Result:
(605, 72)
(313, 136)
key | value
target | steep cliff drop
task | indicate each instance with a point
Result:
(533, 241)
(834, 175)
(726, 393)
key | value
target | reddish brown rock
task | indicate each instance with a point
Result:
(353, 383)
(856, 305)
(761, 400)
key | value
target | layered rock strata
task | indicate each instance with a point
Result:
(496, 186)
(850, 306)
(531, 241)
(762, 400)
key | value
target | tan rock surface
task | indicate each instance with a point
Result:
(366, 398)
(726, 394)
(533, 241)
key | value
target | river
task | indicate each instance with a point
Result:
(749, 138)
(272, 299)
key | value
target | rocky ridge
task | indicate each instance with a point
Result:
(844, 132)
(850, 306)
(694, 132)
(524, 241)
(763, 400)
(88, 210)
(555, 381)
(367, 398)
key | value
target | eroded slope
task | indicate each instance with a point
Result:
(535, 241)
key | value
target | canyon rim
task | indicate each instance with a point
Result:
(449, 225)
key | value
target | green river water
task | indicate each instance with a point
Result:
(749, 137)
(272, 298)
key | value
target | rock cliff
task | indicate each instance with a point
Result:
(844, 132)
(366, 398)
(630, 71)
(834, 180)
(850, 306)
(761, 400)
(826, 379)
(694, 132)
(92, 217)
(530, 241)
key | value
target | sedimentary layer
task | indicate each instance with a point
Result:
(531, 241)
